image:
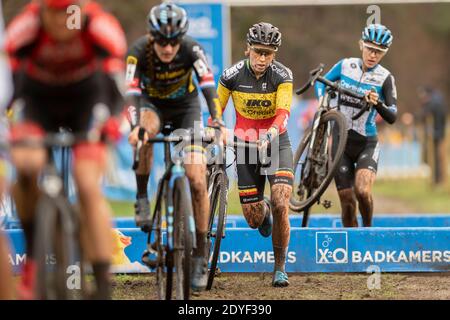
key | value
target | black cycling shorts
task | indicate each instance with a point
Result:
(360, 153)
(252, 175)
(69, 106)
(183, 114)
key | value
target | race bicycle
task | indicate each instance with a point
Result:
(171, 247)
(218, 184)
(218, 196)
(319, 152)
(58, 250)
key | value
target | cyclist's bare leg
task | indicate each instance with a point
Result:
(151, 123)
(25, 191)
(96, 215)
(254, 213)
(6, 282)
(143, 169)
(281, 228)
(195, 165)
(28, 162)
(348, 206)
(364, 180)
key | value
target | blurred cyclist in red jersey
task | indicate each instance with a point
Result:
(6, 280)
(61, 75)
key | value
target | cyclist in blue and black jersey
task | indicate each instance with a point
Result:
(358, 167)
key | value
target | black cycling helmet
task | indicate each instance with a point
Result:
(264, 33)
(167, 21)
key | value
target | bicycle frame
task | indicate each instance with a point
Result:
(174, 170)
(323, 108)
(215, 170)
(54, 189)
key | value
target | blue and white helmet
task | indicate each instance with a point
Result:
(378, 34)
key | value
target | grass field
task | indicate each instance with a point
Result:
(399, 196)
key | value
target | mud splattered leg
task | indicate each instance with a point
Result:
(363, 189)
(348, 205)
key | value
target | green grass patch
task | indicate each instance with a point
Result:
(418, 193)
(122, 208)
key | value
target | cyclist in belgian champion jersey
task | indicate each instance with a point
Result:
(261, 89)
(358, 167)
(62, 76)
(160, 67)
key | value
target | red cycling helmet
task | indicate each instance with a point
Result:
(59, 4)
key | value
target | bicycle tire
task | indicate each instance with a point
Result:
(184, 231)
(164, 271)
(57, 236)
(162, 277)
(218, 196)
(315, 193)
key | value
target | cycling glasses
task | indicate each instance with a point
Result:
(163, 42)
(374, 49)
(261, 51)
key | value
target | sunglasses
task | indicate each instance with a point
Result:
(165, 42)
(260, 51)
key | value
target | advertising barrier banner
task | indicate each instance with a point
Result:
(311, 250)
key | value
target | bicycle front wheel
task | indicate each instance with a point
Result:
(216, 231)
(184, 231)
(58, 251)
(315, 165)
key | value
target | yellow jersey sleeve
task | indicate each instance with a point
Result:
(284, 96)
(224, 94)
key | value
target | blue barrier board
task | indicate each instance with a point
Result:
(334, 221)
(311, 250)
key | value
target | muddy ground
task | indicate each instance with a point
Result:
(239, 286)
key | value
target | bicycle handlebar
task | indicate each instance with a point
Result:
(165, 139)
(175, 139)
(61, 139)
(315, 75)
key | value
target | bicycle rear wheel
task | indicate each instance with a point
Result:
(314, 171)
(184, 231)
(218, 211)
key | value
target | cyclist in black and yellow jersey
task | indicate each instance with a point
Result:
(261, 89)
(160, 69)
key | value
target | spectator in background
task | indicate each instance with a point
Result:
(433, 115)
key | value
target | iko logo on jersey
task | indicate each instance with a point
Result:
(331, 247)
(258, 103)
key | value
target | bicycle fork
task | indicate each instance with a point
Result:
(177, 172)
